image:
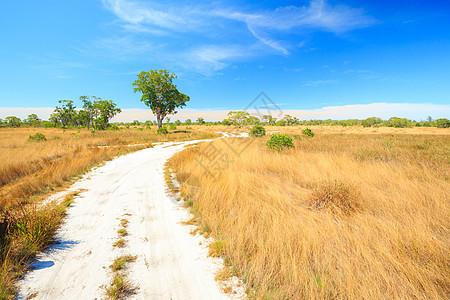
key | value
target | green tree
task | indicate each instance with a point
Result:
(371, 122)
(33, 120)
(188, 122)
(54, 119)
(200, 121)
(442, 123)
(398, 122)
(238, 118)
(177, 122)
(107, 110)
(269, 120)
(13, 121)
(65, 112)
(91, 111)
(252, 120)
(290, 120)
(159, 93)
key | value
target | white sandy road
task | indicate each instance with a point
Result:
(170, 262)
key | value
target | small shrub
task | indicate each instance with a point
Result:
(308, 132)
(257, 131)
(122, 232)
(336, 196)
(280, 142)
(172, 127)
(189, 127)
(57, 138)
(38, 137)
(162, 130)
(115, 127)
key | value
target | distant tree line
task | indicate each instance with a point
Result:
(97, 113)
(94, 114)
(241, 118)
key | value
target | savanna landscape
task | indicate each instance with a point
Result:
(278, 150)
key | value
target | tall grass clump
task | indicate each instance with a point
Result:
(336, 196)
(341, 216)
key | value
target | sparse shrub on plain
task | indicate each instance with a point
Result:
(38, 137)
(172, 127)
(257, 131)
(308, 132)
(162, 130)
(57, 138)
(280, 142)
(336, 196)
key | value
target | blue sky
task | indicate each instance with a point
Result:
(305, 55)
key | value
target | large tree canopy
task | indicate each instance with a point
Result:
(159, 93)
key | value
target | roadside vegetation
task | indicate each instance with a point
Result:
(346, 213)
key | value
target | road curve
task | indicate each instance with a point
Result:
(170, 262)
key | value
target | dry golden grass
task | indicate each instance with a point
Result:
(279, 217)
(30, 167)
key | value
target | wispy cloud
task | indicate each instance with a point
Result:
(321, 82)
(212, 26)
(56, 67)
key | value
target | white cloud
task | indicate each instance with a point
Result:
(217, 25)
(210, 58)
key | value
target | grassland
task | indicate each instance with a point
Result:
(352, 213)
(30, 170)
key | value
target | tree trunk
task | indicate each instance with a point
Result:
(159, 119)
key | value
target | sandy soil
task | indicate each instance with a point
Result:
(171, 263)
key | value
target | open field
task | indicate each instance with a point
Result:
(351, 213)
(29, 167)
(29, 171)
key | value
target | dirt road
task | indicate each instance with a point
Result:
(170, 262)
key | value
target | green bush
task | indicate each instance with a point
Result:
(442, 123)
(257, 131)
(280, 142)
(162, 130)
(172, 127)
(308, 132)
(38, 137)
